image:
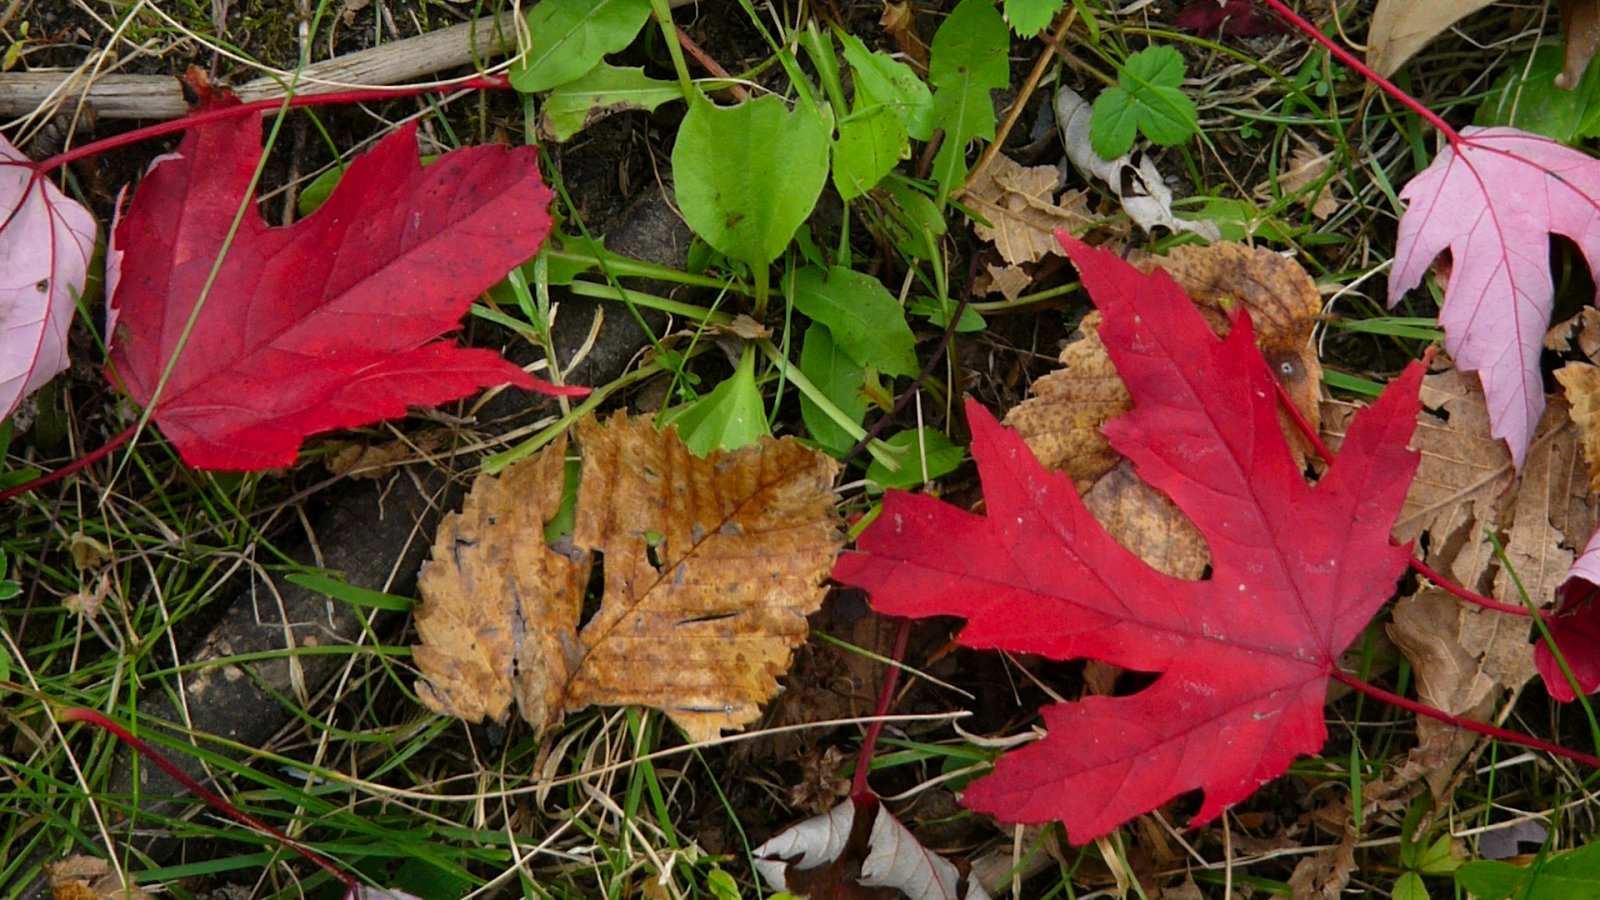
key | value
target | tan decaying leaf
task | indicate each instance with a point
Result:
(804, 857)
(711, 566)
(1402, 27)
(1061, 421)
(1021, 208)
(90, 878)
(1467, 659)
(1580, 21)
(1580, 333)
(1305, 167)
(1581, 384)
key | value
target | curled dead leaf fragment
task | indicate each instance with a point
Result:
(814, 857)
(1132, 177)
(1306, 167)
(1061, 421)
(90, 878)
(710, 568)
(1402, 27)
(1581, 383)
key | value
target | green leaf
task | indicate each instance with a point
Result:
(729, 417)
(892, 82)
(722, 886)
(600, 92)
(1409, 886)
(746, 176)
(349, 593)
(1148, 97)
(1029, 17)
(1526, 97)
(865, 320)
(871, 142)
(912, 220)
(1437, 859)
(840, 379)
(938, 314)
(921, 446)
(968, 59)
(1574, 873)
(567, 38)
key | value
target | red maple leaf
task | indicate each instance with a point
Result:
(1243, 656)
(329, 323)
(1234, 18)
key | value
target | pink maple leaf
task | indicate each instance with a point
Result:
(329, 323)
(1244, 656)
(1493, 199)
(46, 242)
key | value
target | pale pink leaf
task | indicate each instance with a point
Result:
(46, 242)
(1493, 200)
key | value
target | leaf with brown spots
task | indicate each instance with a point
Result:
(710, 568)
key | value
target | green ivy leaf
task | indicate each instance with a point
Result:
(600, 92)
(968, 59)
(840, 379)
(746, 176)
(567, 38)
(1029, 17)
(1148, 97)
(922, 445)
(864, 319)
(893, 83)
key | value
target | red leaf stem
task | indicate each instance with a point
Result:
(1365, 71)
(81, 462)
(99, 720)
(367, 95)
(859, 791)
(1422, 709)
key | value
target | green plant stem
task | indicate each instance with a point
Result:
(879, 450)
(1366, 71)
(662, 10)
(494, 464)
(688, 311)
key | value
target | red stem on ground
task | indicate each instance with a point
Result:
(87, 459)
(859, 791)
(1422, 709)
(99, 720)
(710, 64)
(481, 82)
(1366, 71)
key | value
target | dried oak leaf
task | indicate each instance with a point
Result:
(1467, 659)
(711, 566)
(1023, 213)
(1581, 384)
(1061, 422)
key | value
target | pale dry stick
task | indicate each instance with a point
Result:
(1028, 86)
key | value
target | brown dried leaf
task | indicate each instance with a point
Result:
(1580, 333)
(1061, 422)
(90, 878)
(1580, 20)
(1023, 214)
(1468, 659)
(1306, 167)
(1402, 27)
(711, 566)
(1581, 383)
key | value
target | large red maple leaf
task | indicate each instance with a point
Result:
(1243, 656)
(329, 323)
